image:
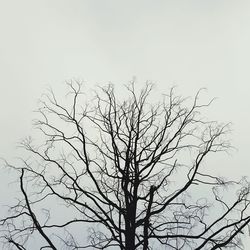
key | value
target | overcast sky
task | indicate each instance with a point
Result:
(191, 44)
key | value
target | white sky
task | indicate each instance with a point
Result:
(192, 44)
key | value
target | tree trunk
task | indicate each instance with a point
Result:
(130, 228)
(130, 240)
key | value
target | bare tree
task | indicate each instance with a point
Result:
(131, 171)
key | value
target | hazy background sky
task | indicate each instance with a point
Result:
(188, 43)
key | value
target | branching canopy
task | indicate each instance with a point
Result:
(131, 171)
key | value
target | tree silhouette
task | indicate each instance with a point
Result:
(131, 171)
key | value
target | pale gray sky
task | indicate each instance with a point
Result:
(191, 44)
